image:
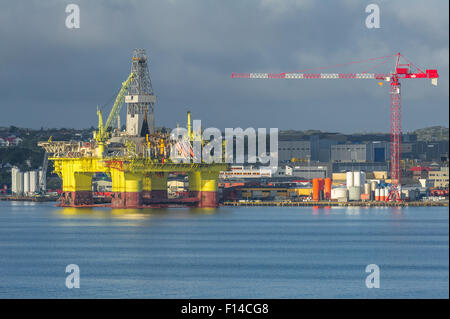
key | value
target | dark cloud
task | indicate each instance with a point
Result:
(54, 77)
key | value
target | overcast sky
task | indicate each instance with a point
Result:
(52, 76)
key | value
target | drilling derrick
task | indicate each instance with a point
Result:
(140, 99)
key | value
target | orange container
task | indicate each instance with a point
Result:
(316, 189)
(327, 190)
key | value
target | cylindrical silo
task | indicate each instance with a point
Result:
(316, 189)
(367, 188)
(44, 182)
(349, 179)
(338, 193)
(26, 183)
(14, 172)
(327, 189)
(19, 181)
(33, 181)
(357, 179)
(377, 194)
(363, 178)
(354, 193)
(321, 183)
(382, 196)
(373, 185)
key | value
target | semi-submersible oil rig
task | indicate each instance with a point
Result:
(136, 159)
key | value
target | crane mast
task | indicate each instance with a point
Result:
(402, 71)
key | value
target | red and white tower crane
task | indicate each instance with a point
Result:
(402, 71)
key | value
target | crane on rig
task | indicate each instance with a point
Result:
(401, 71)
(104, 131)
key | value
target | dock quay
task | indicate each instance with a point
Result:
(338, 204)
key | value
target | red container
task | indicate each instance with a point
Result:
(327, 190)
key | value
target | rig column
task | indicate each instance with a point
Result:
(77, 186)
(127, 189)
(203, 185)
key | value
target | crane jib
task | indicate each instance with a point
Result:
(377, 76)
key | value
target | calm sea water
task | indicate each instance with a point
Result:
(270, 252)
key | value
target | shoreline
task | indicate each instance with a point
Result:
(339, 204)
(266, 203)
(30, 198)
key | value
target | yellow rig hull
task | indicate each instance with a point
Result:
(136, 182)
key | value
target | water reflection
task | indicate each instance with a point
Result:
(321, 210)
(23, 203)
(134, 213)
(398, 212)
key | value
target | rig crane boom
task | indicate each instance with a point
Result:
(104, 130)
(401, 71)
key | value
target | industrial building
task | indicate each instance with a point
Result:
(350, 153)
(304, 171)
(439, 178)
(241, 172)
(361, 166)
(376, 152)
(321, 148)
(288, 150)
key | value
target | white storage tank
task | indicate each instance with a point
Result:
(26, 183)
(349, 179)
(44, 182)
(382, 195)
(338, 193)
(377, 194)
(14, 172)
(354, 193)
(357, 179)
(19, 183)
(367, 188)
(373, 186)
(33, 181)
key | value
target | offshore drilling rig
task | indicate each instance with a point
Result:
(137, 159)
